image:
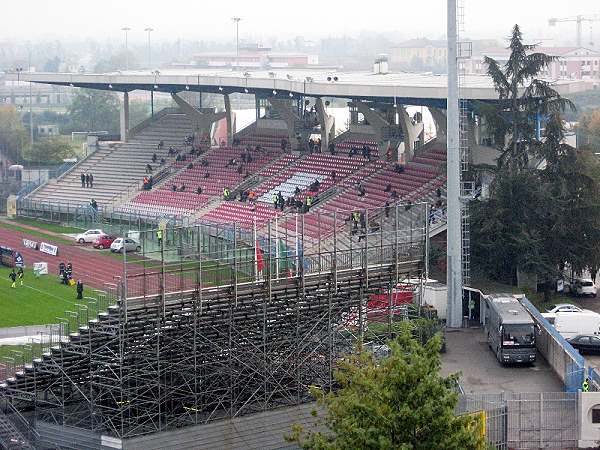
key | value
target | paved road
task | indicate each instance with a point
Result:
(467, 352)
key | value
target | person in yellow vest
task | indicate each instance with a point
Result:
(159, 236)
(226, 193)
(309, 201)
(585, 387)
(21, 275)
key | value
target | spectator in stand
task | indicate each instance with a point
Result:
(178, 158)
(207, 174)
(275, 200)
(182, 187)
(284, 144)
(398, 168)
(363, 221)
(94, 205)
(199, 190)
(318, 145)
(394, 195)
(204, 163)
(388, 188)
(438, 193)
(91, 180)
(332, 148)
(150, 182)
(174, 188)
(190, 166)
(387, 209)
(333, 175)
(309, 202)
(251, 196)
(226, 193)
(171, 151)
(161, 144)
(154, 158)
(87, 180)
(148, 168)
(82, 179)
(361, 190)
(297, 191)
(145, 183)
(162, 161)
(240, 169)
(280, 200)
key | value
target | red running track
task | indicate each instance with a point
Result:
(89, 265)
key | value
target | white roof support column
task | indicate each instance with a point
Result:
(327, 123)
(202, 121)
(375, 119)
(124, 117)
(229, 116)
(412, 131)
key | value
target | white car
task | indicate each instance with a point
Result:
(583, 286)
(88, 236)
(129, 244)
(564, 307)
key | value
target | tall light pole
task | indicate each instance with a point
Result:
(453, 235)
(149, 30)
(30, 96)
(126, 30)
(237, 40)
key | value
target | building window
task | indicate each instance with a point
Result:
(596, 415)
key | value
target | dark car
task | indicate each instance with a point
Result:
(104, 241)
(586, 344)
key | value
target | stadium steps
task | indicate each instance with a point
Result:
(119, 169)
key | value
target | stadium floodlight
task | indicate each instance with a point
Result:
(310, 79)
(110, 86)
(220, 88)
(274, 92)
(126, 30)
(291, 95)
(187, 88)
(272, 74)
(156, 86)
(246, 90)
(247, 74)
(149, 30)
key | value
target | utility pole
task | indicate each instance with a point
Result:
(237, 41)
(454, 255)
(30, 98)
(126, 30)
(149, 30)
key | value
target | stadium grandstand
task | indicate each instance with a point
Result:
(261, 253)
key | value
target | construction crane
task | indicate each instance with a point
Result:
(579, 20)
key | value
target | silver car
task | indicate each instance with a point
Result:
(125, 243)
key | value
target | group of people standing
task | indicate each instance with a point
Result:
(87, 180)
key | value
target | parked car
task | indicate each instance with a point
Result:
(586, 343)
(583, 286)
(88, 236)
(564, 307)
(125, 243)
(104, 241)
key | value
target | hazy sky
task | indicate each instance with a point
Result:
(211, 19)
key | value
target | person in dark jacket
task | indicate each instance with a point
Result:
(13, 278)
(87, 180)
(79, 289)
(82, 179)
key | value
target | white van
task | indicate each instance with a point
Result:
(571, 324)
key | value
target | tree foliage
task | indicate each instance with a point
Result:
(401, 402)
(13, 136)
(537, 219)
(94, 110)
(523, 97)
(49, 150)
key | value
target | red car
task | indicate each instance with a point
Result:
(104, 241)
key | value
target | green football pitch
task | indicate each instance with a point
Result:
(39, 301)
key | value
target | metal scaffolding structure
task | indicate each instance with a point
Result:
(215, 321)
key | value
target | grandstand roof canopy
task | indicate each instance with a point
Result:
(408, 88)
